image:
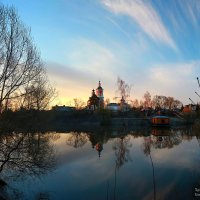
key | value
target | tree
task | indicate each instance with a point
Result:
(177, 104)
(147, 100)
(20, 63)
(123, 89)
(170, 101)
(165, 102)
(39, 95)
(159, 101)
(79, 104)
(135, 103)
(107, 101)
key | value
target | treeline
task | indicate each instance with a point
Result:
(157, 102)
(23, 80)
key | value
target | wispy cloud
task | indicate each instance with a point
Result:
(92, 57)
(119, 27)
(144, 15)
(86, 64)
(191, 10)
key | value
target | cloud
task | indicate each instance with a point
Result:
(191, 10)
(175, 79)
(119, 27)
(174, 73)
(144, 15)
(91, 57)
(87, 62)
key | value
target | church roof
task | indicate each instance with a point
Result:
(99, 87)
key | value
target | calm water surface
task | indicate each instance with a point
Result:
(154, 164)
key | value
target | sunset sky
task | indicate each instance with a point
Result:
(153, 45)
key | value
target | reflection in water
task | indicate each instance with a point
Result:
(77, 139)
(162, 139)
(99, 148)
(196, 129)
(156, 173)
(122, 147)
(147, 151)
(25, 154)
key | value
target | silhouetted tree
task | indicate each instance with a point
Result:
(147, 100)
(20, 62)
(39, 95)
(79, 104)
(22, 75)
(123, 89)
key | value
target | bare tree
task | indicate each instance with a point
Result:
(20, 62)
(79, 104)
(147, 100)
(39, 95)
(77, 139)
(165, 102)
(135, 103)
(107, 101)
(123, 89)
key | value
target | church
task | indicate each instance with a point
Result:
(96, 101)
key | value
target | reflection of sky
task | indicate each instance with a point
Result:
(81, 174)
(153, 45)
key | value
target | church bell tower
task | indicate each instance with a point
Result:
(99, 93)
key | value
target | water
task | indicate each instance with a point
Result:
(154, 164)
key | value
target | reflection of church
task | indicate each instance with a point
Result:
(99, 148)
(96, 101)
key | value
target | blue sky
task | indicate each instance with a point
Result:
(153, 45)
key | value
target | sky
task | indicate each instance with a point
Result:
(154, 45)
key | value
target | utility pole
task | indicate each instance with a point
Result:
(191, 101)
(197, 94)
(198, 82)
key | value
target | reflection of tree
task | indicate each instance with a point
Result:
(147, 145)
(77, 139)
(147, 151)
(121, 147)
(31, 153)
(22, 154)
(166, 139)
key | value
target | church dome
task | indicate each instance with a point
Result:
(99, 87)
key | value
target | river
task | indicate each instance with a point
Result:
(106, 164)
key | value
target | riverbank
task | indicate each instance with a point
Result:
(33, 120)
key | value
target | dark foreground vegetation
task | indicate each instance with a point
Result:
(51, 120)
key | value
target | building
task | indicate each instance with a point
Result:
(190, 108)
(115, 107)
(62, 108)
(124, 107)
(93, 102)
(99, 93)
(96, 101)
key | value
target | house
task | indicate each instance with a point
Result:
(63, 108)
(115, 107)
(190, 108)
